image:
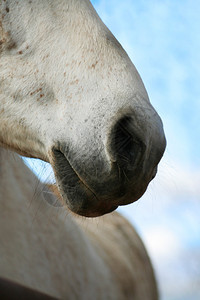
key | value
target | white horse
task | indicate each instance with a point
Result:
(70, 95)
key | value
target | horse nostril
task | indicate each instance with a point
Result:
(125, 145)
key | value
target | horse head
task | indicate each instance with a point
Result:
(71, 96)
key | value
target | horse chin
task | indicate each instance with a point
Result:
(93, 212)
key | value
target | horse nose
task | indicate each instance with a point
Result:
(126, 147)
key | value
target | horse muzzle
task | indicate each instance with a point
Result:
(134, 152)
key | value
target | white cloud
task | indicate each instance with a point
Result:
(162, 243)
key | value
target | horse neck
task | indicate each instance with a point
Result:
(11, 181)
(24, 199)
(24, 207)
(18, 185)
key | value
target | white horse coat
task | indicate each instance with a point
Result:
(70, 95)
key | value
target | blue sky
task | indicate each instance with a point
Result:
(162, 39)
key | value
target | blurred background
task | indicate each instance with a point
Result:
(162, 39)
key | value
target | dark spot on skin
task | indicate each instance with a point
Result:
(12, 45)
(93, 65)
(41, 95)
(7, 9)
(20, 52)
(22, 121)
(74, 82)
(37, 91)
